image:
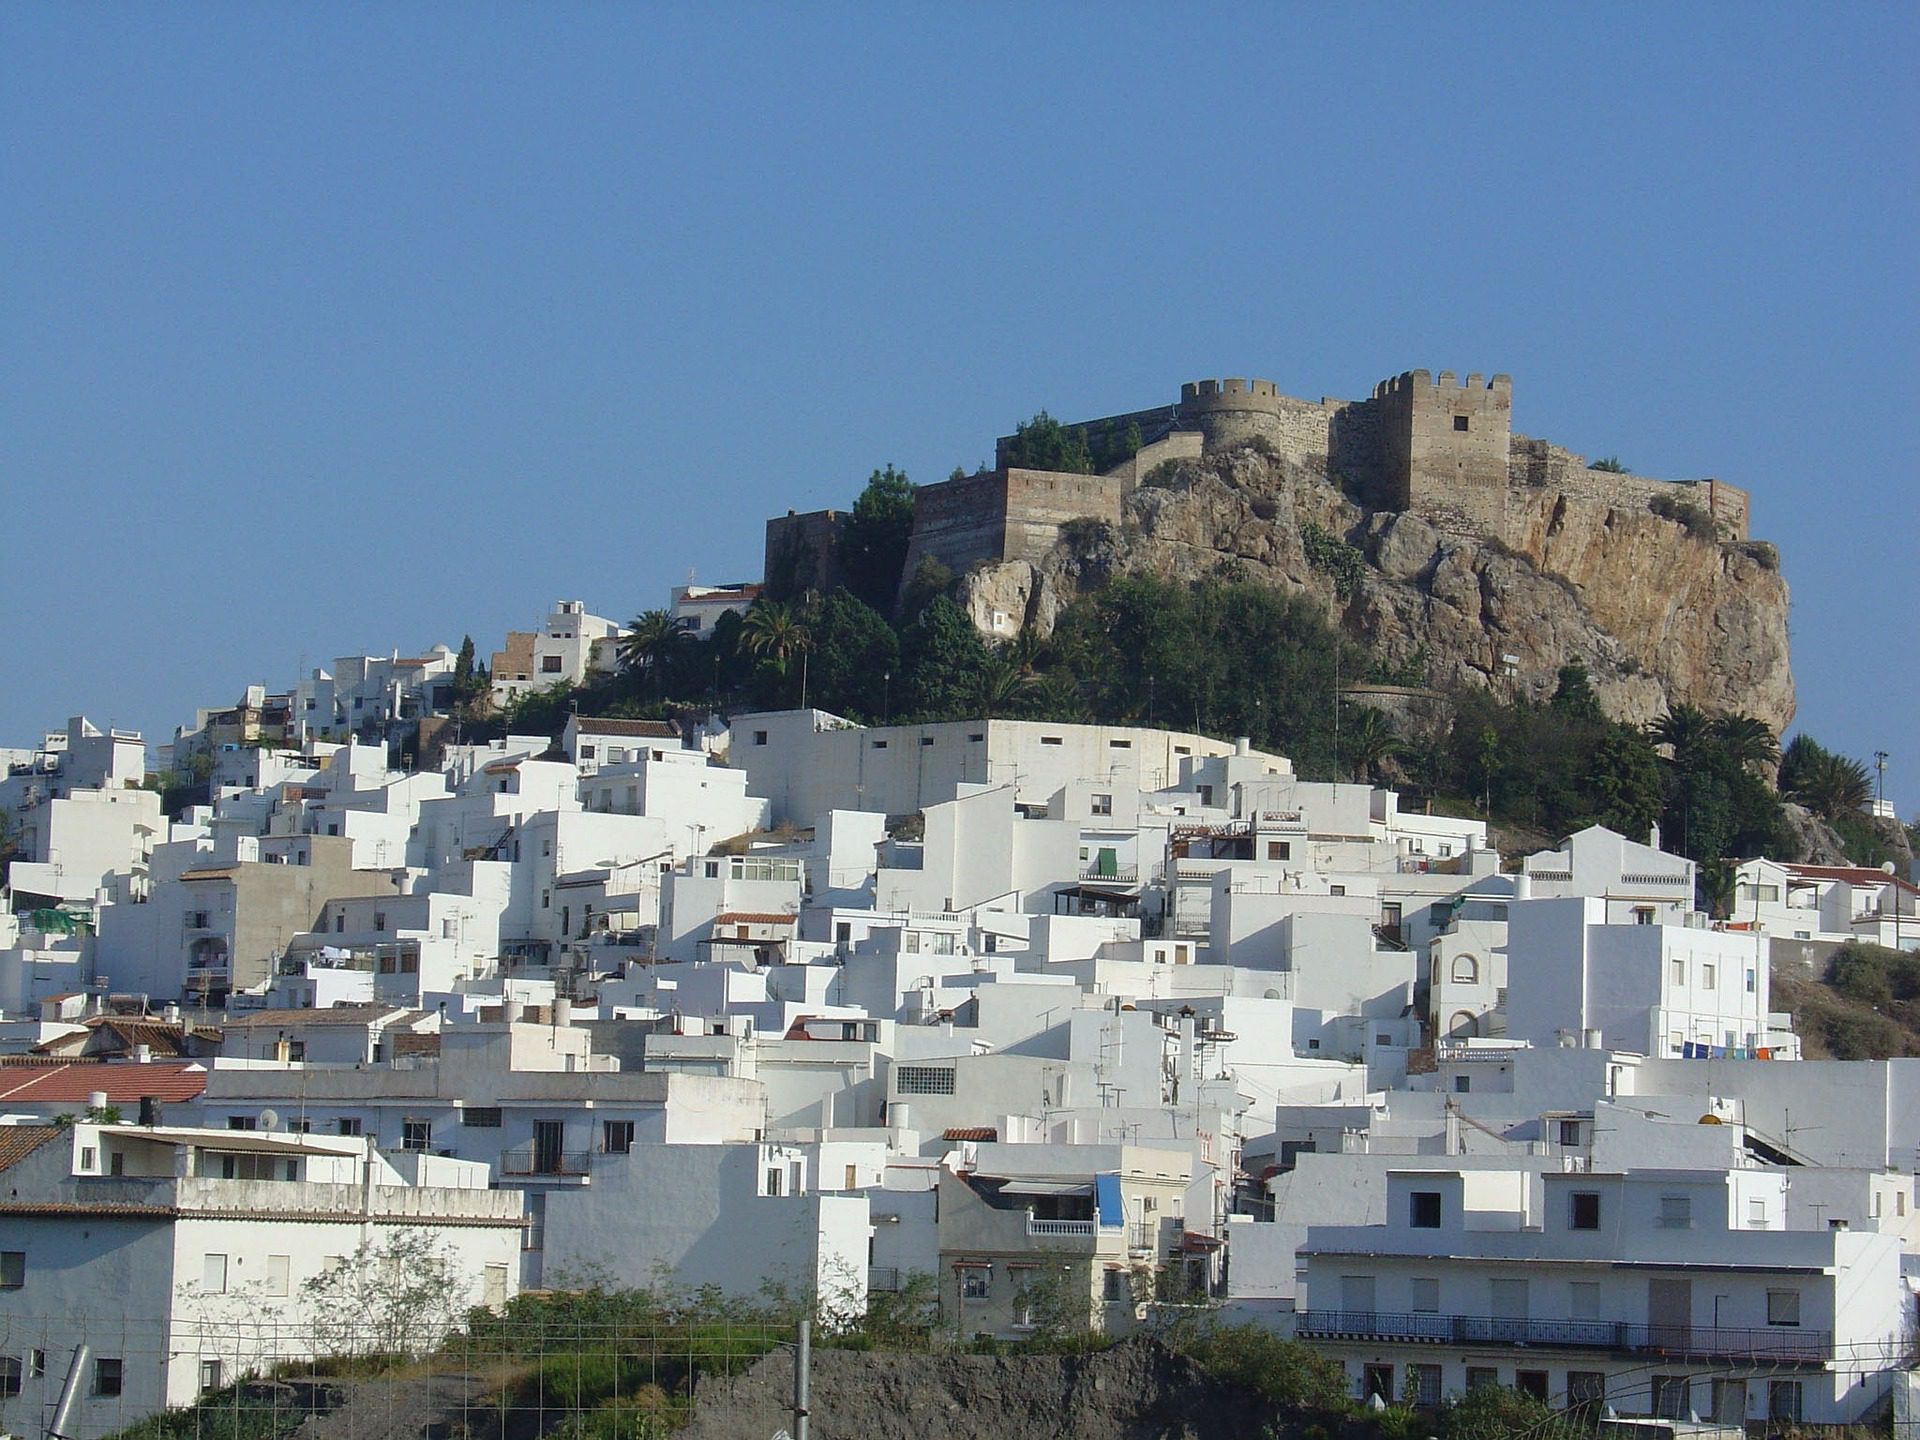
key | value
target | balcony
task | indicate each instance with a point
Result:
(532, 1159)
(1112, 875)
(1779, 1344)
(1057, 1228)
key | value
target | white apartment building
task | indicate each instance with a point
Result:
(1827, 904)
(172, 1261)
(569, 645)
(1667, 1292)
(695, 608)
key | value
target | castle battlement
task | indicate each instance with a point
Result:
(1410, 381)
(1227, 394)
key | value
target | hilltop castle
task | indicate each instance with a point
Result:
(1442, 449)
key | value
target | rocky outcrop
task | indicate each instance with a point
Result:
(1657, 615)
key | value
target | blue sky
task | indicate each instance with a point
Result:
(354, 327)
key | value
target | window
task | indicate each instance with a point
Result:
(1583, 1300)
(1461, 423)
(549, 665)
(617, 1136)
(9, 1375)
(1462, 1084)
(209, 1375)
(242, 1122)
(1102, 804)
(1424, 1296)
(926, 739)
(1783, 1307)
(880, 744)
(923, 1080)
(1676, 1212)
(1569, 1132)
(213, 1275)
(1531, 1382)
(1466, 970)
(1672, 1396)
(416, 1134)
(1783, 1400)
(1479, 1377)
(347, 1125)
(1751, 978)
(1643, 914)
(107, 1375)
(1426, 1384)
(1115, 1285)
(1279, 849)
(1708, 975)
(976, 738)
(1586, 1389)
(976, 1282)
(13, 1269)
(775, 1176)
(1050, 740)
(279, 1275)
(1583, 1210)
(1423, 1210)
(1757, 1213)
(759, 737)
(36, 1363)
(481, 1117)
(1377, 1380)
(1336, 889)
(1678, 971)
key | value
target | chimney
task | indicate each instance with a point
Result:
(143, 1054)
(97, 1100)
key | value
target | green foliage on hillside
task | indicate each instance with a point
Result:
(1864, 1005)
(1043, 443)
(873, 547)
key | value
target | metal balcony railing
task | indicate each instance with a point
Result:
(1785, 1344)
(534, 1160)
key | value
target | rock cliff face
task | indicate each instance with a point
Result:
(1657, 614)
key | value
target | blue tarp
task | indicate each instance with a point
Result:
(1106, 1193)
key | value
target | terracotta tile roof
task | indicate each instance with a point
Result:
(1851, 874)
(970, 1132)
(19, 1141)
(753, 917)
(122, 1083)
(646, 729)
(333, 1015)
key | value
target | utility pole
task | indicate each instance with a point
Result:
(802, 1366)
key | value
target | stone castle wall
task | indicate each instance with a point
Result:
(1436, 447)
(803, 552)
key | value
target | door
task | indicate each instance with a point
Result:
(1356, 1302)
(1670, 1314)
(1509, 1309)
(548, 1141)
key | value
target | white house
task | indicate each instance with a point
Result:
(173, 1260)
(1663, 1292)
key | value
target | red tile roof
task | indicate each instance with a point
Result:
(752, 917)
(645, 729)
(123, 1084)
(19, 1141)
(970, 1132)
(1851, 874)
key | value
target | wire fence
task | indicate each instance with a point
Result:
(513, 1378)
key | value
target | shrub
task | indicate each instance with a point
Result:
(1762, 553)
(1334, 556)
(1610, 464)
(1698, 522)
(1286, 1372)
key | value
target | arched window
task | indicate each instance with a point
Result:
(1463, 1026)
(1466, 970)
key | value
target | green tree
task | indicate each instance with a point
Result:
(942, 657)
(1043, 443)
(1828, 784)
(1746, 740)
(1367, 739)
(649, 645)
(1609, 464)
(1573, 695)
(1001, 687)
(854, 650)
(1623, 783)
(775, 632)
(397, 1297)
(873, 546)
(1684, 729)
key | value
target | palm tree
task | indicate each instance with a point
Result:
(1746, 740)
(1369, 740)
(1684, 727)
(774, 631)
(649, 644)
(1832, 785)
(1001, 683)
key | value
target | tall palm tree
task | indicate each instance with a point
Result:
(649, 645)
(1367, 740)
(1747, 740)
(774, 631)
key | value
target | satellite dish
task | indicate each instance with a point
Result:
(269, 1119)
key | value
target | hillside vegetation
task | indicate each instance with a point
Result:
(1863, 1005)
